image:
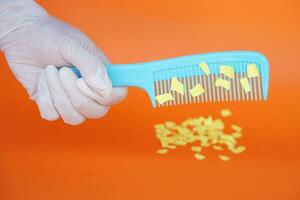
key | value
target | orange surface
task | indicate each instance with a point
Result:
(114, 158)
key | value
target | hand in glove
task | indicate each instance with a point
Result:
(36, 45)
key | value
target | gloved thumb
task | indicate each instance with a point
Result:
(83, 54)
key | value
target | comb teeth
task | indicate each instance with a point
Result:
(162, 85)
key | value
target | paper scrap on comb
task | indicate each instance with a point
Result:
(224, 158)
(245, 84)
(225, 113)
(204, 67)
(252, 71)
(177, 86)
(164, 98)
(197, 90)
(223, 83)
(227, 71)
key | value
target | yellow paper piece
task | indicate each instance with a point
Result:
(164, 98)
(245, 84)
(204, 67)
(252, 71)
(227, 71)
(218, 148)
(199, 156)
(159, 126)
(237, 135)
(227, 138)
(197, 90)
(223, 83)
(224, 158)
(177, 86)
(217, 124)
(171, 147)
(236, 128)
(238, 150)
(170, 124)
(225, 113)
(162, 151)
(196, 149)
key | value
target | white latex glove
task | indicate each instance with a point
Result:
(36, 45)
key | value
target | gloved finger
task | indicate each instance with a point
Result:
(82, 103)
(117, 95)
(60, 98)
(43, 99)
(83, 54)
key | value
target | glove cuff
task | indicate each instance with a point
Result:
(17, 13)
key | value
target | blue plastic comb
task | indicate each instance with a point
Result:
(155, 77)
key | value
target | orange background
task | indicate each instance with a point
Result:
(114, 158)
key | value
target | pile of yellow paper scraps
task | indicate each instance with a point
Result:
(202, 133)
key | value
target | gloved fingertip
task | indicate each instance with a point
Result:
(50, 116)
(75, 122)
(101, 112)
(100, 82)
(47, 111)
(66, 70)
(84, 88)
(66, 74)
(63, 70)
(51, 68)
(117, 95)
(121, 91)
